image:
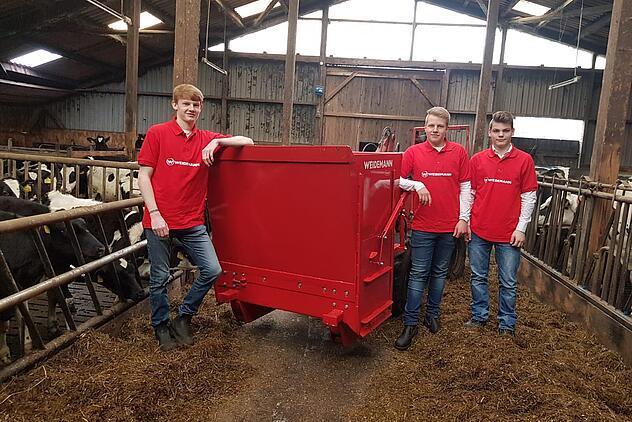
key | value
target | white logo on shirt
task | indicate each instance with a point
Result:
(431, 174)
(171, 162)
(378, 164)
(492, 180)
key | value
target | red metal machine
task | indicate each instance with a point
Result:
(309, 230)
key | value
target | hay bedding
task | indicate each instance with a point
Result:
(552, 371)
(102, 378)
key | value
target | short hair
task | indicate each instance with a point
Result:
(439, 112)
(502, 117)
(187, 92)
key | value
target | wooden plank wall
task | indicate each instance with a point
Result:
(360, 103)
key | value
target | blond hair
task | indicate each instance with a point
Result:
(502, 117)
(439, 112)
(187, 92)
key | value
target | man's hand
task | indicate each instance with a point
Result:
(517, 239)
(460, 229)
(159, 225)
(468, 234)
(207, 152)
(424, 196)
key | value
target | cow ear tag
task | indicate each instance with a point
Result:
(47, 180)
(27, 188)
(46, 229)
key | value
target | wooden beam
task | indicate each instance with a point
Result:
(485, 81)
(614, 105)
(230, 12)
(265, 13)
(588, 11)
(225, 89)
(423, 92)
(187, 42)
(509, 8)
(131, 78)
(337, 89)
(397, 117)
(445, 86)
(483, 6)
(596, 26)
(290, 69)
(557, 11)
(322, 73)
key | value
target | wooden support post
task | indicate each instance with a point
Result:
(484, 85)
(131, 78)
(225, 90)
(187, 42)
(614, 105)
(290, 69)
(499, 90)
(322, 77)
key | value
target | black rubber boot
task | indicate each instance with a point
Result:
(432, 324)
(182, 329)
(472, 323)
(163, 334)
(406, 338)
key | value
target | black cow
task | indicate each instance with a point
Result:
(100, 142)
(21, 255)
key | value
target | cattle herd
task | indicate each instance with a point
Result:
(39, 189)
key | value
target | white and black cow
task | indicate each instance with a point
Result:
(21, 255)
(10, 186)
(124, 267)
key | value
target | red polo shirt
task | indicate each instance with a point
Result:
(180, 177)
(498, 184)
(442, 172)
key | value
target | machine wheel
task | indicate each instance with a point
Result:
(401, 269)
(457, 262)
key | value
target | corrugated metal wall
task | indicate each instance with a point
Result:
(257, 80)
(256, 89)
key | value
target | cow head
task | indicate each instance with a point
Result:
(100, 142)
(60, 241)
(126, 272)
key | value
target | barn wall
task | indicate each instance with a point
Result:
(255, 101)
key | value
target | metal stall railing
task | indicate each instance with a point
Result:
(559, 236)
(39, 174)
(55, 281)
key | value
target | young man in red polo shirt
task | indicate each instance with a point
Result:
(504, 186)
(440, 176)
(173, 181)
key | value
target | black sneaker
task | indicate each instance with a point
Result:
(182, 329)
(432, 324)
(506, 332)
(472, 323)
(406, 338)
(163, 335)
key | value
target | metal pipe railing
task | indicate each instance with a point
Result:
(44, 286)
(66, 160)
(23, 223)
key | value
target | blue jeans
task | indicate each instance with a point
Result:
(430, 256)
(199, 247)
(507, 261)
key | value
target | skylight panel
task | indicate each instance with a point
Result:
(254, 8)
(35, 58)
(530, 8)
(146, 20)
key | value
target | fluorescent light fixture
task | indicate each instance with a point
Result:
(35, 58)
(565, 83)
(530, 8)
(146, 20)
(253, 8)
